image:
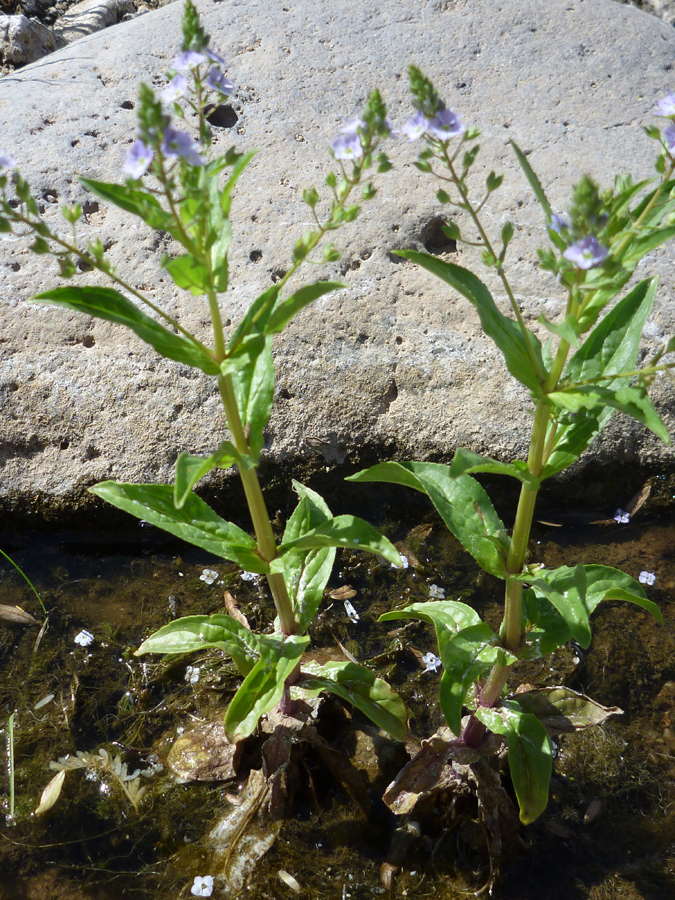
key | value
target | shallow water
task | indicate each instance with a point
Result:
(93, 845)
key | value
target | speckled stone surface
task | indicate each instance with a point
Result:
(396, 360)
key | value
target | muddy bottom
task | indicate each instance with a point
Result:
(124, 827)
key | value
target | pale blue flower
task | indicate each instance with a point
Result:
(179, 143)
(647, 578)
(175, 88)
(414, 128)
(218, 82)
(669, 136)
(6, 161)
(621, 517)
(347, 146)
(665, 106)
(445, 125)
(138, 160)
(558, 223)
(352, 126)
(203, 886)
(587, 253)
(190, 59)
(432, 662)
(215, 57)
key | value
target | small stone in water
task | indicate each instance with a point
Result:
(84, 638)
(436, 592)
(209, 576)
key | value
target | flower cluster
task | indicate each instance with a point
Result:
(445, 125)
(666, 108)
(162, 138)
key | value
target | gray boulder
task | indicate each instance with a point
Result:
(395, 362)
(24, 40)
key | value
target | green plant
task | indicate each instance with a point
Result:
(173, 187)
(586, 371)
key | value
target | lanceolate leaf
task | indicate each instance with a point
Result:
(535, 184)
(467, 647)
(344, 531)
(530, 758)
(190, 469)
(505, 332)
(253, 384)
(105, 303)
(255, 321)
(450, 615)
(286, 310)
(574, 603)
(610, 349)
(633, 401)
(264, 685)
(306, 572)
(133, 200)
(195, 522)
(358, 686)
(193, 633)
(189, 273)
(462, 503)
(466, 462)
(562, 710)
(466, 656)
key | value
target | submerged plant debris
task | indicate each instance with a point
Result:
(153, 806)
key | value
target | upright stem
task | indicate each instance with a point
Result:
(256, 504)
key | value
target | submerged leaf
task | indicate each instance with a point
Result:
(51, 793)
(562, 710)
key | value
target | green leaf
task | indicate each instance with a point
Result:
(562, 710)
(530, 757)
(344, 531)
(535, 184)
(286, 310)
(255, 320)
(105, 303)
(253, 383)
(523, 362)
(450, 615)
(466, 656)
(189, 273)
(195, 522)
(462, 503)
(239, 161)
(546, 629)
(306, 572)
(568, 329)
(566, 591)
(640, 247)
(193, 633)
(610, 349)
(466, 645)
(134, 200)
(264, 685)
(633, 401)
(466, 462)
(360, 687)
(190, 469)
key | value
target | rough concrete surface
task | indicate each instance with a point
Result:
(395, 360)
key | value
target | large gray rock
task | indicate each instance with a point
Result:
(396, 360)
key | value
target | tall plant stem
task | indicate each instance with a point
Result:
(256, 504)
